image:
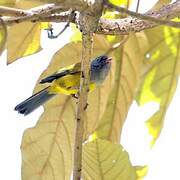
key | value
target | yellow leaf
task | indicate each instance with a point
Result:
(47, 148)
(128, 67)
(3, 36)
(120, 2)
(23, 40)
(7, 2)
(160, 80)
(102, 163)
(141, 172)
(76, 34)
(27, 4)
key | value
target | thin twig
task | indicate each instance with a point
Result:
(7, 11)
(117, 45)
(137, 6)
(109, 26)
(34, 14)
(70, 17)
(142, 16)
(51, 18)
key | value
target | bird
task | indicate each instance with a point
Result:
(66, 81)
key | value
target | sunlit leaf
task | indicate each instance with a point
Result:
(120, 2)
(27, 4)
(160, 80)
(76, 36)
(128, 67)
(7, 2)
(23, 40)
(105, 160)
(53, 135)
(141, 172)
(3, 36)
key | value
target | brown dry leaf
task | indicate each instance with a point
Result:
(47, 148)
(102, 163)
(129, 61)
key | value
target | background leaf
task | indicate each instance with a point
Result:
(129, 60)
(47, 148)
(102, 163)
(7, 2)
(3, 36)
(160, 80)
(23, 38)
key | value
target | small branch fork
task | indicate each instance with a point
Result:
(55, 13)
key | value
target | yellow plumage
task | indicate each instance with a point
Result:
(68, 85)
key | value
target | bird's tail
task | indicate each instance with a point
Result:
(33, 102)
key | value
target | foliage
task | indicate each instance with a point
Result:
(145, 68)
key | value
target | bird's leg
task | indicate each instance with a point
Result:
(74, 96)
(85, 107)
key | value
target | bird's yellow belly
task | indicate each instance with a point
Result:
(68, 85)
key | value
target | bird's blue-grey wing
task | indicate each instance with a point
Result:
(73, 69)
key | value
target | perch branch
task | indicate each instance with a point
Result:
(88, 24)
(82, 104)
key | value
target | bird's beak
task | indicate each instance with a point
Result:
(109, 60)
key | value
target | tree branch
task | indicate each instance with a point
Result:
(144, 16)
(34, 14)
(88, 24)
(7, 11)
(106, 26)
(126, 25)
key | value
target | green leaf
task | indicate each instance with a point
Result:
(129, 59)
(103, 160)
(160, 79)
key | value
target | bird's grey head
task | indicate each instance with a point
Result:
(100, 68)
